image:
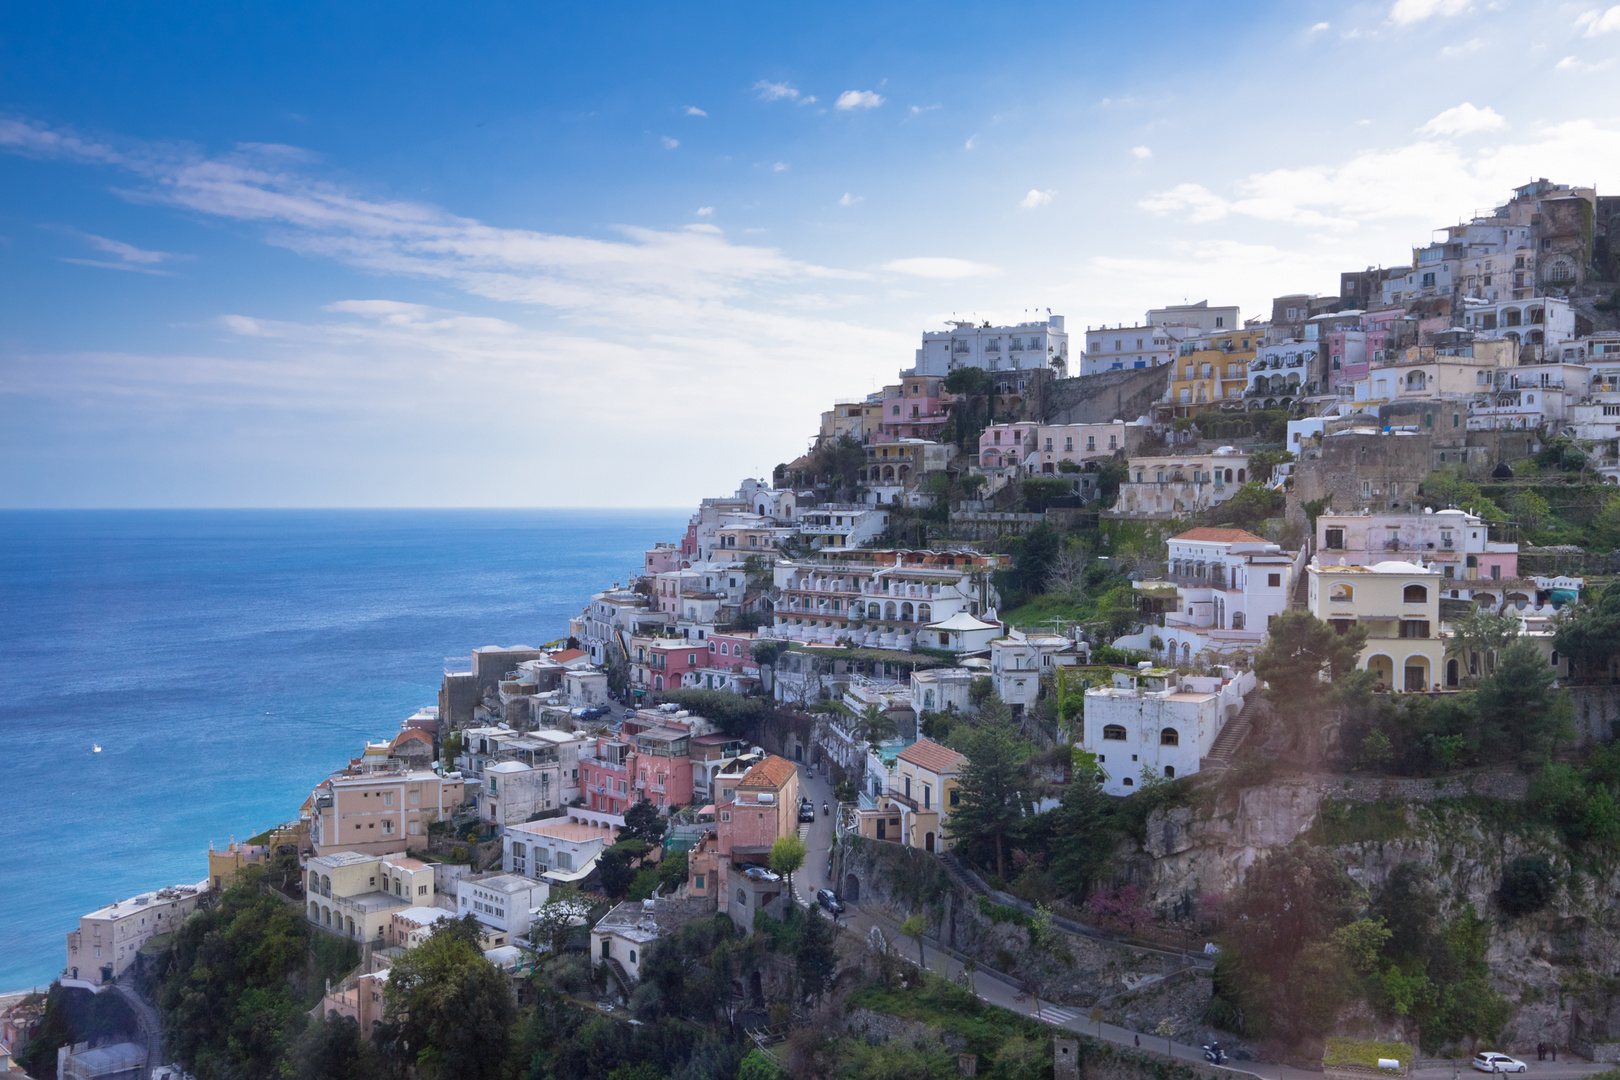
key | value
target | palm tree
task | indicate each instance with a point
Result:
(874, 726)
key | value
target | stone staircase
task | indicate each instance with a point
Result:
(966, 882)
(1230, 740)
(622, 976)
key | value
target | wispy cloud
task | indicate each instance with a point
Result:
(128, 256)
(1035, 199)
(1464, 119)
(1597, 22)
(939, 267)
(669, 143)
(1465, 48)
(781, 91)
(850, 100)
(918, 110)
(693, 110)
(780, 166)
(849, 199)
(1405, 12)
(705, 211)
(971, 139)
(1575, 63)
(1318, 28)
(1141, 152)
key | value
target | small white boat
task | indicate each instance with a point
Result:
(95, 748)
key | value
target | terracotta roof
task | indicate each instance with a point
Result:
(567, 655)
(773, 772)
(930, 755)
(413, 734)
(1221, 536)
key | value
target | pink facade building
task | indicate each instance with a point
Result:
(763, 807)
(604, 776)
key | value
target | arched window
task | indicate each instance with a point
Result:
(1240, 476)
(1415, 594)
(1115, 732)
(1340, 593)
(1237, 620)
(1169, 737)
(1169, 772)
(1129, 782)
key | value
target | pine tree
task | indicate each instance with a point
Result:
(994, 785)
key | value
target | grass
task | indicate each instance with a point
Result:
(953, 1009)
(1046, 608)
(1345, 1051)
(1347, 822)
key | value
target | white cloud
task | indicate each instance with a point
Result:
(851, 100)
(669, 143)
(775, 91)
(1141, 152)
(1600, 22)
(1199, 202)
(939, 267)
(1473, 45)
(849, 200)
(1318, 28)
(1464, 119)
(780, 166)
(1035, 199)
(970, 141)
(705, 211)
(129, 257)
(1410, 11)
(693, 110)
(918, 110)
(1573, 63)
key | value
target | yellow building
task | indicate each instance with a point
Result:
(1398, 603)
(923, 787)
(1211, 370)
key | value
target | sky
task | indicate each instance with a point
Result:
(314, 255)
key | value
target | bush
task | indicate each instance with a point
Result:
(1528, 885)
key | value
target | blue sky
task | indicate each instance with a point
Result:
(458, 255)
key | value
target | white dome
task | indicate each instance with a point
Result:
(1394, 566)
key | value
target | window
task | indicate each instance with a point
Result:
(1274, 580)
(1415, 594)
(697, 881)
(1169, 737)
(1220, 321)
(1414, 628)
(956, 797)
(1340, 593)
(1114, 732)
(1334, 539)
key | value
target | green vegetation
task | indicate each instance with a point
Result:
(1340, 1050)
(736, 715)
(71, 1016)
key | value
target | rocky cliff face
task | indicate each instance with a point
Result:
(1560, 965)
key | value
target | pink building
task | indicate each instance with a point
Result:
(665, 557)
(733, 650)
(1003, 445)
(660, 763)
(604, 776)
(763, 807)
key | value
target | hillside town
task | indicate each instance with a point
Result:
(1050, 671)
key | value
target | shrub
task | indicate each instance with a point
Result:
(1528, 885)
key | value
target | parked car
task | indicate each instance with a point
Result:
(829, 900)
(629, 714)
(1492, 1062)
(759, 873)
(807, 811)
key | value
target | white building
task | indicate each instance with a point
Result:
(108, 939)
(1173, 485)
(842, 525)
(879, 600)
(625, 934)
(512, 792)
(501, 901)
(1199, 318)
(1229, 585)
(1120, 347)
(1543, 320)
(1158, 721)
(1029, 346)
(612, 612)
(1281, 367)
(556, 851)
(1019, 660)
(961, 633)
(941, 690)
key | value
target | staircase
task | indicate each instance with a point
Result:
(1230, 740)
(622, 975)
(965, 882)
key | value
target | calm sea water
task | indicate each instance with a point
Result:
(227, 661)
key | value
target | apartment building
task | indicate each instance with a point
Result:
(1174, 485)
(1453, 541)
(502, 902)
(381, 812)
(354, 895)
(880, 599)
(556, 851)
(1120, 347)
(1158, 723)
(915, 809)
(109, 938)
(1036, 345)
(1208, 371)
(1039, 449)
(1228, 585)
(1398, 603)
(1199, 317)
(941, 690)
(1020, 659)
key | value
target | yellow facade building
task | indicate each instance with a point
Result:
(1398, 603)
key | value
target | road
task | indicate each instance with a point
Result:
(819, 839)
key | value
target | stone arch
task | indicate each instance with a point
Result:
(314, 912)
(906, 611)
(852, 889)
(1451, 674)
(1383, 669)
(1169, 737)
(1415, 674)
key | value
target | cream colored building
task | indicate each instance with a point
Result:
(1398, 603)
(380, 813)
(107, 940)
(355, 895)
(1178, 484)
(923, 787)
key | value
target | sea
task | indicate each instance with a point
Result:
(225, 662)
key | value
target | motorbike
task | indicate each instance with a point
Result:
(824, 810)
(1214, 1054)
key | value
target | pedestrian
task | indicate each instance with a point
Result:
(1541, 1051)
(1555, 1051)
(1139, 1042)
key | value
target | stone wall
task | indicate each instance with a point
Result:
(1104, 397)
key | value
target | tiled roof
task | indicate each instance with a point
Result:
(567, 655)
(773, 772)
(930, 755)
(1221, 536)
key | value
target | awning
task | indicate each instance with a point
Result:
(709, 810)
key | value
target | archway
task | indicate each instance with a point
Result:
(1383, 669)
(852, 889)
(1451, 674)
(1415, 676)
(928, 841)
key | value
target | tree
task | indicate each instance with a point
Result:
(915, 927)
(1300, 650)
(1377, 750)
(787, 855)
(994, 785)
(451, 1008)
(331, 1049)
(644, 822)
(1589, 634)
(1527, 886)
(1040, 491)
(558, 918)
(817, 955)
(875, 725)
(616, 867)
(1478, 638)
(1066, 576)
(1513, 702)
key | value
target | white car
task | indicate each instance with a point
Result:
(1487, 1061)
